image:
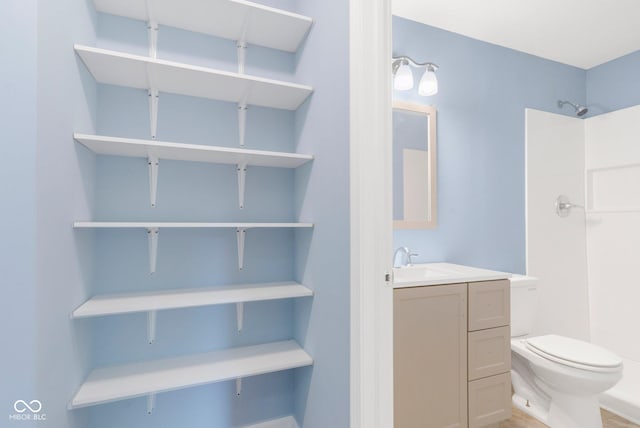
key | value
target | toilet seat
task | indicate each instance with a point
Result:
(574, 353)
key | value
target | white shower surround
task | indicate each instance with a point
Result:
(556, 247)
(612, 164)
(595, 161)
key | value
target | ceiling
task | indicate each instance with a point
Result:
(582, 33)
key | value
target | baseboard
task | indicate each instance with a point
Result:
(620, 407)
(286, 422)
(624, 398)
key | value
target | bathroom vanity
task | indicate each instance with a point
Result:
(452, 356)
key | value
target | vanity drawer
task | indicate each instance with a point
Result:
(489, 352)
(489, 304)
(489, 400)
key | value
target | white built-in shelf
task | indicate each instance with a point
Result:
(285, 422)
(189, 152)
(173, 299)
(142, 72)
(178, 225)
(147, 378)
(154, 151)
(230, 19)
(153, 230)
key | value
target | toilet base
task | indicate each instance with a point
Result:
(568, 411)
(530, 408)
(565, 411)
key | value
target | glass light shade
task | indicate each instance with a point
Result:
(403, 80)
(428, 84)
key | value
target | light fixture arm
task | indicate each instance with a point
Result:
(405, 60)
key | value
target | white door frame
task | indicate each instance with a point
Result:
(371, 355)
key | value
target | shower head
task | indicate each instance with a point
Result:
(580, 110)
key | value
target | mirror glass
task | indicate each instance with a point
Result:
(414, 166)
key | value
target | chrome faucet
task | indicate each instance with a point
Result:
(407, 257)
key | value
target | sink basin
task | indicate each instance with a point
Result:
(441, 273)
(422, 271)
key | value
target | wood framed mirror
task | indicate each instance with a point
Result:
(414, 166)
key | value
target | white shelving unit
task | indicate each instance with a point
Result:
(238, 20)
(151, 302)
(246, 23)
(148, 378)
(142, 72)
(154, 151)
(153, 230)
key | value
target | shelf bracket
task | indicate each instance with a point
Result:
(152, 26)
(154, 97)
(153, 232)
(154, 164)
(151, 403)
(240, 316)
(242, 177)
(242, 120)
(241, 232)
(241, 46)
(151, 326)
(238, 387)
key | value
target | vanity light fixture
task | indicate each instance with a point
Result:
(403, 77)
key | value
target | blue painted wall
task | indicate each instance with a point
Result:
(18, 327)
(45, 95)
(65, 182)
(322, 196)
(614, 85)
(484, 90)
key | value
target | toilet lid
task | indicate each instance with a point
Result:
(572, 351)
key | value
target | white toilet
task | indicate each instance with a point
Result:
(556, 379)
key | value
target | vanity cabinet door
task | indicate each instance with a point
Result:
(430, 350)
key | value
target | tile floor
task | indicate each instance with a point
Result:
(522, 420)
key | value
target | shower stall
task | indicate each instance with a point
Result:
(583, 235)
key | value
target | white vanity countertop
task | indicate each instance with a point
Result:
(442, 273)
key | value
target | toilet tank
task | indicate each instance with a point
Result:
(524, 302)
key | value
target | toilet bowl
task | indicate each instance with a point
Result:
(556, 379)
